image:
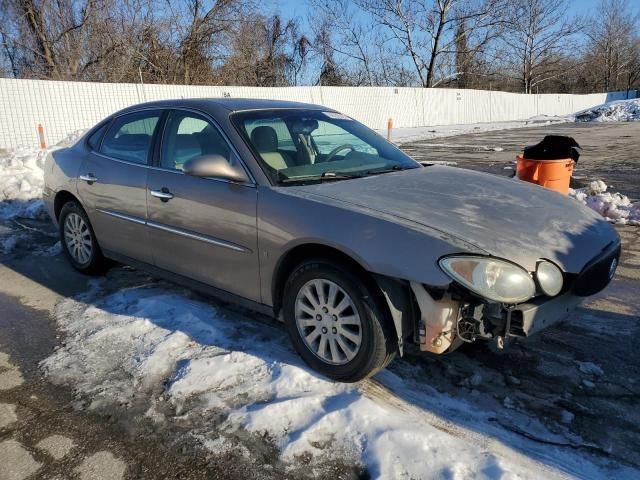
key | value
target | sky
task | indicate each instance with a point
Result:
(300, 8)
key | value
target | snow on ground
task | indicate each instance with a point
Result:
(618, 111)
(225, 373)
(614, 207)
(414, 134)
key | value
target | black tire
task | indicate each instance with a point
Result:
(96, 264)
(378, 346)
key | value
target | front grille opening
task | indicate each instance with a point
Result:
(517, 324)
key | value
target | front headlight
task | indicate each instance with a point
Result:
(490, 278)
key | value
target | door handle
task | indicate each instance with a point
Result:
(163, 194)
(89, 178)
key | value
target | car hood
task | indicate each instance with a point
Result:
(504, 217)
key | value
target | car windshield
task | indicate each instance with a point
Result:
(304, 146)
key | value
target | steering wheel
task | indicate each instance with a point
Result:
(338, 149)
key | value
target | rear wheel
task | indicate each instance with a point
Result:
(79, 241)
(335, 322)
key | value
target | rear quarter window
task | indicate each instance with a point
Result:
(96, 137)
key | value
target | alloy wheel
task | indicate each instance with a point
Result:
(77, 237)
(328, 321)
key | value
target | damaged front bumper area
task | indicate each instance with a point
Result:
(447, 320)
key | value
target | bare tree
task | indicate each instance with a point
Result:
(537, 40)
(425, 30)
(66, 39)
(200, 29)
(353, 39)
(516, 45)
(301, 52)
(632, 74)
(323, 49)
(464, 56)
(265, 52)
(612, 46)
(10, 53)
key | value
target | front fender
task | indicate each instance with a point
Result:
(381, 244)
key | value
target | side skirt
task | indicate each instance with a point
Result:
(217, 293)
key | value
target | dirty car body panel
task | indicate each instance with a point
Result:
(239, 237)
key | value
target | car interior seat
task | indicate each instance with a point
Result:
(265, 139)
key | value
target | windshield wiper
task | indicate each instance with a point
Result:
(324, 177)
(394, 168)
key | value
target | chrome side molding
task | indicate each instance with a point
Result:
(197, 236)
(122, 216)
(176, 231)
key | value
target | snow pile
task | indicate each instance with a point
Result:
(225, 374)
(22, 179)
(618, 111)
(21, 182)
(614, 207)
(71, 138)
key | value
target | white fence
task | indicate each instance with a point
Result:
(63, 107)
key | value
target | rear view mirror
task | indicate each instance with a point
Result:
(215, 166)
(305, 126)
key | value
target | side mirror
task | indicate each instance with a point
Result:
(215, 166)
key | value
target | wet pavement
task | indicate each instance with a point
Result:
(576, 386)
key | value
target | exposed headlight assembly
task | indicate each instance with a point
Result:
(490, 278)
(549, 278)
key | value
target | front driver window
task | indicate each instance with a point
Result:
(300, 145)
(188, 135)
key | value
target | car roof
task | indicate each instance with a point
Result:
(229, 104)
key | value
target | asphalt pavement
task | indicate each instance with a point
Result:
(610, 151)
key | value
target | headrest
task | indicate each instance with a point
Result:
(265, 139)
(187, 142)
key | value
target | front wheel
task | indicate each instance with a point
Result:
(79, 241)
(335, 322)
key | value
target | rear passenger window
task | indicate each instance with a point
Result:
(188, 135)
(129, 137)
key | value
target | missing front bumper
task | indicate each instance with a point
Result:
(439, 329)
(538, 314)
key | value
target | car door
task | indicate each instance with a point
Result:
(113, 184)
(202, 228)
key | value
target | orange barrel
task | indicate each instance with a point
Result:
(551, 174)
